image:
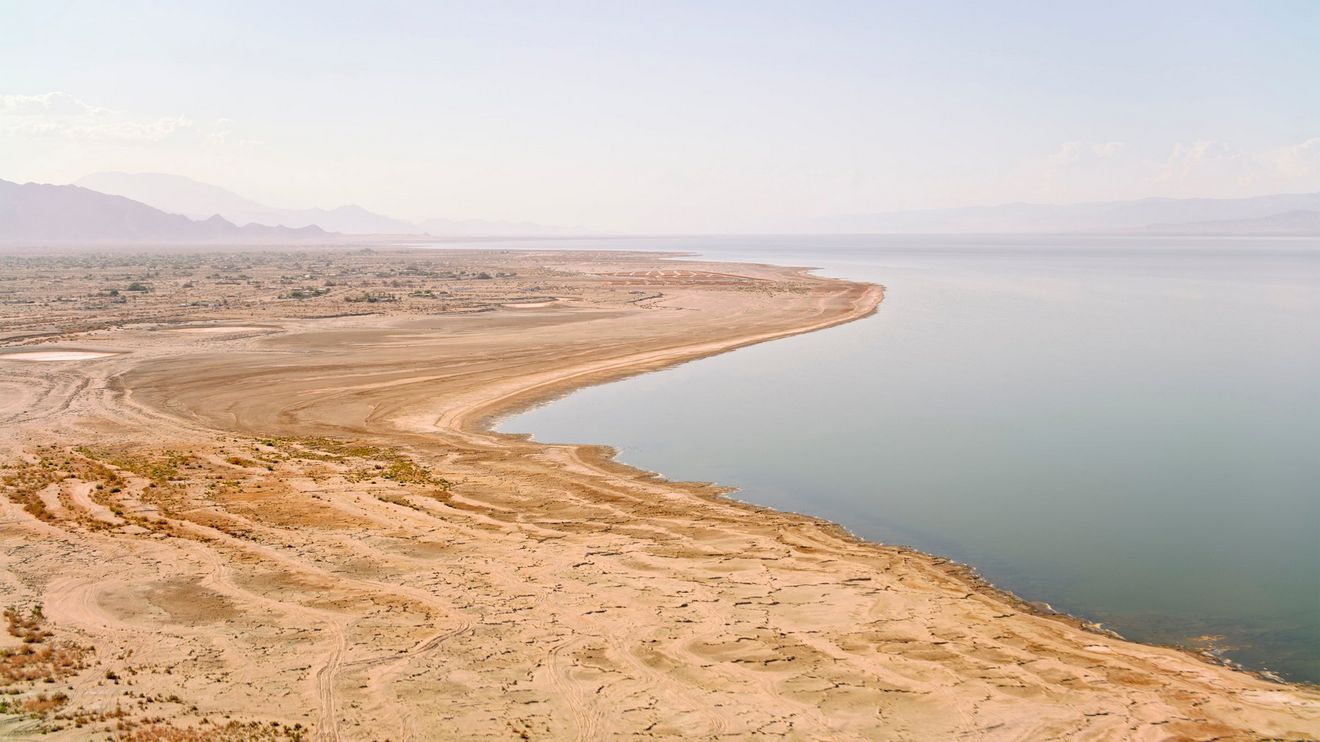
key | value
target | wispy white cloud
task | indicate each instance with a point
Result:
(1209, 164)
(1106, 150)
(51, 104)
(58, 115)
(1071, 153)
(1301, 160)
(1192, 160)
(1067, 154)
(1081, 170)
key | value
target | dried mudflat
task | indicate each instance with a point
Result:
(311, 533)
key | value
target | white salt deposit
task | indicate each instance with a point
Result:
(532, 305)
(53, 355)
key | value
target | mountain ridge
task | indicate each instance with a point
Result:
(179, 194)
(1296, 223)
(64, 213)
(43, 212)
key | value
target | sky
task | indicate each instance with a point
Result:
(646, 116)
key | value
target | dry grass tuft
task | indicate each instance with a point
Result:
(25, 481)
(231, 731)
(160, 468)
(27, 627)
(42, 704)
(37, 659)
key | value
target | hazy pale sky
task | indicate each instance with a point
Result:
(667, 116)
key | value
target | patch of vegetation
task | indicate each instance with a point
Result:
(230, 731)
(406, 471)
(159, 468)
(26, 480)
(305, 292)
(24, 483)
(38, 658)
(367, 297)
(42, 704)
(386, 463)
(399, 500)
(81, 717)
(26, 627)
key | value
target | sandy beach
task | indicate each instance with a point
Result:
(243, 511)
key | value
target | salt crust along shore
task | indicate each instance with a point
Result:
(311, 532)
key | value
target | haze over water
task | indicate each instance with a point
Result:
(1125, 428)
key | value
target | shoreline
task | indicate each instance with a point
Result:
(321, 514)
(479, 419)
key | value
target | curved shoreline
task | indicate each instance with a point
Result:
(478, 416)
(333, 492)
(476, 419)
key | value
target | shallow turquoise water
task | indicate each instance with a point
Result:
(1125, 428)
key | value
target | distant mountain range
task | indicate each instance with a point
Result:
(179, 195)
(1262, 214)
(1295, 223)
(161, 208)
(41, 213)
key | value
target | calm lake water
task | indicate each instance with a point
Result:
(1125, 428)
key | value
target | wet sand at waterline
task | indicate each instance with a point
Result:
(312, 531)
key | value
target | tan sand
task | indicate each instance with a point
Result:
(314, 528)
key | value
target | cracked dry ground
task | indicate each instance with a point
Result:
(304, 533)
